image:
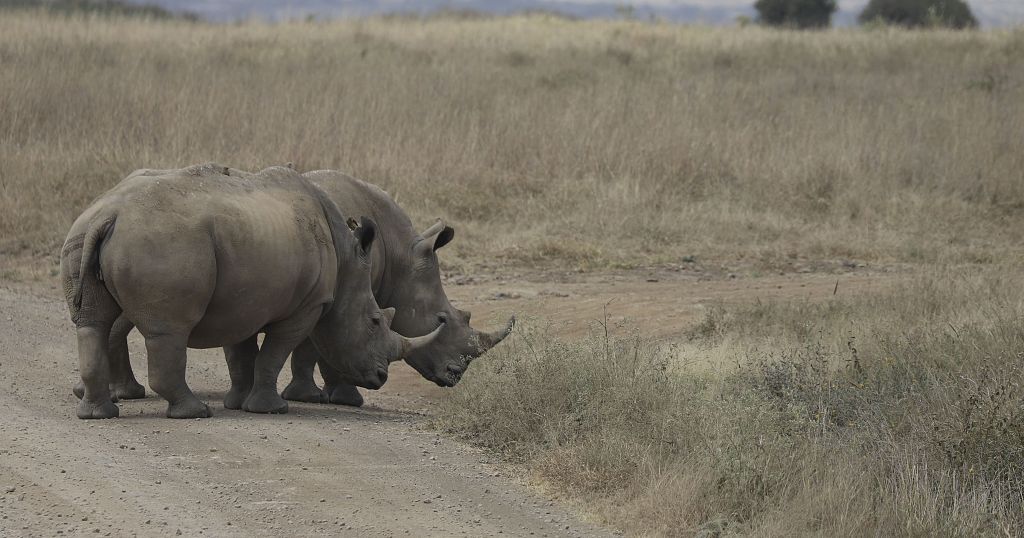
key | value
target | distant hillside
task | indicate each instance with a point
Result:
(228, 10)
(989, 12)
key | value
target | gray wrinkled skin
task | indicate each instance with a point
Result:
(404, 275)
(209, 257)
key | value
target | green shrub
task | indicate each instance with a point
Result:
(104, 7)
(919, 13)
(796, 13)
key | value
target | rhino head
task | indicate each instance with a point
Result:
(422, 305)
(355, 335)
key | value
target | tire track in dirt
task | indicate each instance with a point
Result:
(320, 470)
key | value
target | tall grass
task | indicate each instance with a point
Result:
(621, 143)
(592, 143)
(896, 413)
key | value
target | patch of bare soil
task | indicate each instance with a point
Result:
(320, 470)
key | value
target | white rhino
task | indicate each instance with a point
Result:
(203, 257)
(405, 276)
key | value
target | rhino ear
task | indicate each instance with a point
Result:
(365, 234)
(438, 235)
(444, 237)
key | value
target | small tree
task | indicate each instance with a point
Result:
(917, 13)
(795, 13)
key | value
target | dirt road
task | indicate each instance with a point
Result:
(320, 470)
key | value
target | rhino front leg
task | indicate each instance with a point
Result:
(281, 339)
(338, 392)
(167, 358)
(241, 359)
(302, 388)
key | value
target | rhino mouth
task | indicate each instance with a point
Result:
(448, 382)
(376, 380)
(451, 377)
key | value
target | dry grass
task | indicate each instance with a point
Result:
(891, 414)
(544, 140)
(602, 144)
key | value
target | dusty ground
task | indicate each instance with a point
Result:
(320, 470)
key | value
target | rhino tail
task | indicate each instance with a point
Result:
(91, 243)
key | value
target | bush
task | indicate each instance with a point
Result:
(796, 13)
(920, 13)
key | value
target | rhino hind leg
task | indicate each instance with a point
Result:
(302, 388)
(117, 392)
(130, 391)
(92, 360)
(241, 358)
(167, 358)
(94, 316)
(123, 385)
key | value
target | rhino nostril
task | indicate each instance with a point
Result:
(382, 374)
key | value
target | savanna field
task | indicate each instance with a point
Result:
(622, 146)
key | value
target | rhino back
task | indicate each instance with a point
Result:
(356, 198)
(239, 252)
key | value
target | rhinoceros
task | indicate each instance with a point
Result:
(202, 258)
(405, 276)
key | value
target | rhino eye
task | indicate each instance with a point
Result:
(375, 319)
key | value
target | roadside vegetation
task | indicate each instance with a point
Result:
(889, 414)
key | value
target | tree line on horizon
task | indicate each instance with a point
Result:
(807, 14)
(102, 7)
(906, 13)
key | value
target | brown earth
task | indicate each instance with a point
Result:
(320, 470)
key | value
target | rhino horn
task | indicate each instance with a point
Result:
(416, 343)
(489, 340)
(434, 229)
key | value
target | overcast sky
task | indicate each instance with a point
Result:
(991, 13)
(1006, 12)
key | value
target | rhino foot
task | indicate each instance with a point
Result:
(298, 391)
(235, 398)
(88, 410)
(189, 408)
(344, 395)
(265, 401)
(127, 391)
